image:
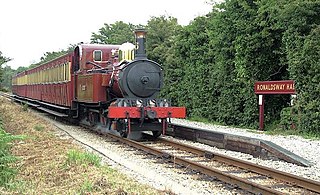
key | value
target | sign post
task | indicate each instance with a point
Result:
(262, 88)
(261, 112)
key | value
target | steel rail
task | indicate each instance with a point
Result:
(228, 178)
(276, 174)
(6, 95)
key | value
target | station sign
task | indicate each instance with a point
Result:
(262, 88)
(274, 87)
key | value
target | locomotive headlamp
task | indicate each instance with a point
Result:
(140, 43)
(140, 33)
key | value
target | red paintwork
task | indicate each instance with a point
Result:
(274, 87)
(87, 55)
(63, 93)
(90, 88)
(87, 86)
(55, 93)
(135, 112)
(261, 114)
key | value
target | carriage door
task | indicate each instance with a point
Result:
(75, 67)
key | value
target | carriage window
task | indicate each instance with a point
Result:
(97, 55)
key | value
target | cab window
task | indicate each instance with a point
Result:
(97, 55)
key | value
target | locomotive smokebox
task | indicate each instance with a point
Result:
(140, 78)
(140, 35)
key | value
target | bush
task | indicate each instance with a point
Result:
(289, 118)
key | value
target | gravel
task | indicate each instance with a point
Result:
(149, 170)
(145, 168)
(306, 148)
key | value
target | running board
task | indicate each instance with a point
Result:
(53, 112)
(53, 105)
(26, 102)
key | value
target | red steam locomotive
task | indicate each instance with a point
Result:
(109, 87)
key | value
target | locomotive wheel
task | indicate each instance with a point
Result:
(156, 133)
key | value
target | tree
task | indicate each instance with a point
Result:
(161, 33)
(301, 44)
(3, 60)
(218, 57)
(7, 77)
(116, 33)
(192, 72)
(48, 56)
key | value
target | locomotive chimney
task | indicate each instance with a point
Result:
(140, 52)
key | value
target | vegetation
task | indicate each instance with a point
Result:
(48, 56)
(116, 33)
(50, 165)
(3, 71)
(7, 172)
(212, 63)
(5, 84)
(301, 43)
(82, 158)
(38, 127)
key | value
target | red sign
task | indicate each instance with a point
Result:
(274, 87)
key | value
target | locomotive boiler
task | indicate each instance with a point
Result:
(108, 87)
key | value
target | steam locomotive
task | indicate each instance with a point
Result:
(108, 87)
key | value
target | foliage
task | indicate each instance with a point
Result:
(48, 56)
(21, 69)
(116, 33)
(301, 42)
(3, 60)
(289, 118)
(82, 158)
(25, 106)
(160, 46)
(86, 187)
(6, 78)
(7, 173)
(212, 64)
(160, 37)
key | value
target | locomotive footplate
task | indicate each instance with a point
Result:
(145, 108)
(145, 114)
(148, 112)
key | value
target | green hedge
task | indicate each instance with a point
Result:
(212, 63)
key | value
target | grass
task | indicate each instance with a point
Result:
(82, 158)
(306, 135)
(25, 107)
(87, 187)
(276, 129)
(7, 172)
(199, 119)
(50, 165)
(38, 127)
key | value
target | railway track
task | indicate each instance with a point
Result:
(245, 175)
(6, 95)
